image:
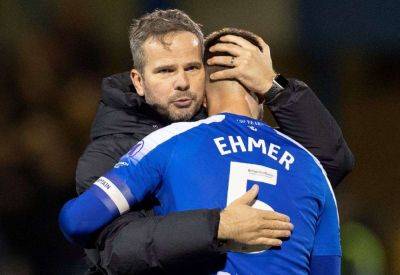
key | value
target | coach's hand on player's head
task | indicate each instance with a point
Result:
(240, 223)
(251, 66)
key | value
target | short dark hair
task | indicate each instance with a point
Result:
(213, 39)
(158, 24)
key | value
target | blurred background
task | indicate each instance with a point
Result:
(54, 54)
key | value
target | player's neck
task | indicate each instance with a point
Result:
(227, 97)
(231, 105)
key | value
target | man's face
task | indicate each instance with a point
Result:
(173, 77)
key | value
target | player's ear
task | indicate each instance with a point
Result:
(137, 81)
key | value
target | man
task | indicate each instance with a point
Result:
(124, 118)
(230, 149)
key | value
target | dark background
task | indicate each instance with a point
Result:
(53, 55)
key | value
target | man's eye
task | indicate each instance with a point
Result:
(192, 68)
(165, 71)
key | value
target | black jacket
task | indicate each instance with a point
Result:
(140, 242)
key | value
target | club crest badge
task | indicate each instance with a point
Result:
(136, 149)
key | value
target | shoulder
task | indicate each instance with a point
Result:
(174, 130)
(181, 127)
(165, 138)
(315, 170)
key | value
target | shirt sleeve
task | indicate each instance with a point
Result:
(327, 235)
(137, 174)
(123, 244)
(327, 265)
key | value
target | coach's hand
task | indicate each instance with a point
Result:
(242, 224)
(251, 66)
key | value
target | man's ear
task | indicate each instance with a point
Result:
(137, 81)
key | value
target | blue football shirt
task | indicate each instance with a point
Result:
(210, 163)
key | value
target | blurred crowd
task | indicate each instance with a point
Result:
(53, 56)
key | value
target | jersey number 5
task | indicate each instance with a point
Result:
(241, 172)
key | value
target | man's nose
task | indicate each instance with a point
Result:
(182, 81)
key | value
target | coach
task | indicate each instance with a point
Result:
(140, 242)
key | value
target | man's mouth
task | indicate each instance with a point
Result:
(183, 102)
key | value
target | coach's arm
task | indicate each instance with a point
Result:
(301, 115)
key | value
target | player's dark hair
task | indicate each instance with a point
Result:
(213, 39)
(158, 24)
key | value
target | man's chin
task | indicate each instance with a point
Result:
(182, 114)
